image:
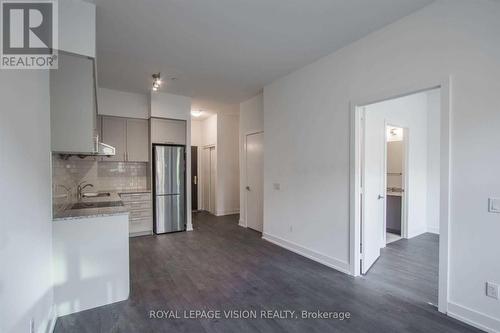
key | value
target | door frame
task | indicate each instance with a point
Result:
(246, 174)
(201, 178)
(356, 104)
(197, 178)
(405, 182)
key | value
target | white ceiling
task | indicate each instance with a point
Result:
(225, 51)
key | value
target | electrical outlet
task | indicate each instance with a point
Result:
(494, 205)
(492, 290)
(291, 228)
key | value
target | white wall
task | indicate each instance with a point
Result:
(77, 27)
(251, 121)
(433, 160)
(170, 106)
(122, 104)
(307, 146)
(409, 112)
(163, 105)
(209, 131)
(196, 139)
(25, 201)
(228, 171)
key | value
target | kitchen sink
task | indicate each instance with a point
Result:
(103, 204)
(96, 194)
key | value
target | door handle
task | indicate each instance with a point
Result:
(380, 197)
(248, 188)
(195, 180)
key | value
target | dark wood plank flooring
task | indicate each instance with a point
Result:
(221, 266)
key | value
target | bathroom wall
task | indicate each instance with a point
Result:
(104, 175)
(395, 151)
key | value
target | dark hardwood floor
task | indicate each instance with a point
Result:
(221, 266)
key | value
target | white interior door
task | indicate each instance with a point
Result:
(373, 183)
(213, 176)
(255, 181)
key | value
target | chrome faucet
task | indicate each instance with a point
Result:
(80, 188)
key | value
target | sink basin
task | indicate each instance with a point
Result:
(95, 194)
(103, 204)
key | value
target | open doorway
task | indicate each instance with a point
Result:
(399, 183)
(395, 180)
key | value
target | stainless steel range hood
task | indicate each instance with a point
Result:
(99, 149)
(102, 149)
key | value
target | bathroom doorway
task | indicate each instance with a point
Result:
(395, 180)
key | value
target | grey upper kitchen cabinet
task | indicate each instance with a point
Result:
(114, 131)
(73, 104)
(137, 140)
(128, 136)
(168, 131)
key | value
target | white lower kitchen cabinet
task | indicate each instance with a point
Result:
(91, 262)
(141, 213)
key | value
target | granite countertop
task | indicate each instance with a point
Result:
(133, 191)
(127, 191)
(70, 214)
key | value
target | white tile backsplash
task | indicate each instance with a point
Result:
(104, 175)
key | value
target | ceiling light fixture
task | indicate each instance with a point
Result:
(196, 113)
(156, 81)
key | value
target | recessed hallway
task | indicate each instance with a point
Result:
(221, 266)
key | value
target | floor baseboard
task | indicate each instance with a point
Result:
(310, 254)
(433, 230)
(417, 233)
(141, 233)
(228, 212)
(474, 318)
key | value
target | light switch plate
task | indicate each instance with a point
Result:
(492, 290)
(277, 187)
(494, 205)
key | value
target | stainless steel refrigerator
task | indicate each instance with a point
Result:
(169, 188)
